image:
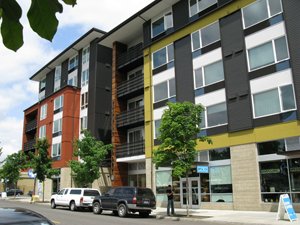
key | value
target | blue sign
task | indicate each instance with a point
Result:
(289, 207)
(202, 169)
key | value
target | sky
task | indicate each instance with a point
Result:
(17, 92)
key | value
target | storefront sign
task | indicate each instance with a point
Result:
(285, 205)
(202, 169)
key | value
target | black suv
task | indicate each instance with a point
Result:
(124, 200)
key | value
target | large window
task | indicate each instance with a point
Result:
(135, 135)
(162, 24)
(84, 100)
(83, 123)
(268, 53)
(42, 131)
(85, 55)
(164, 90)
(85, 77)
(209, 74)
(57, 126)
(156, 128)
(206, 36)
(163, 56)
(56, 150)
(274, 101)
(73, 62)
(57, 78)
(43, 114)
(42, 83)
(58, 102)
(197, 6)
(214, 115)
(72, 80)
(260, 11)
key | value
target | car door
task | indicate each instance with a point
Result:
(106, 199)
(65, 197)
(58, 197)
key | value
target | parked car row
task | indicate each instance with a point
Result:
(13, 192)
(120, 200)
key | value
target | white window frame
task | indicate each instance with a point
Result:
(83, 123)
(59, 126)
(165, 24)
(280, 101)
(274, 51)
(198, 11)
(43, 83)
(85, 77)
(199, 31)
(167, 56)
(60, 99)
(43, 114)
(72, 77)
(85, 55)
(84, 100)
(70, 63)
(42, 132)
(59, 146)
(168, 85)
(268, 16)
(205, 116)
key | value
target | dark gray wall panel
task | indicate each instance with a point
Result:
(291, 15)
(49, 83)
(236, 74)
(180, 14)
(147, 33)
(184, 70)
(64, 73)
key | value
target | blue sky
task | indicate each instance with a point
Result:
(17, 92)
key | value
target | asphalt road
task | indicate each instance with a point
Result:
(63, 216)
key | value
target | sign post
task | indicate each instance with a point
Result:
(285, 205)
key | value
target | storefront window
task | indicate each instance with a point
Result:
(294, 169)
(270, 147)
(219, 154)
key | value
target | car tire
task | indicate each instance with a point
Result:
(144, 214)
(73, 206)
(115, 213)
(122, 210)
(97, 208)
(53, 205)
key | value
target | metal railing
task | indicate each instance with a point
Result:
(31, 125)
(130, 55)
(29, 145)
(130, 117)
(129, 86)
(130, 149)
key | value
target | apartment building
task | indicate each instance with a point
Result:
(74, 95)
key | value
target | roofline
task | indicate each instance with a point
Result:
(68, 48)
(130, 19)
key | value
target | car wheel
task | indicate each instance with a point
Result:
(144, 214)
(97, 208)
(53, 205)
(122, 210)
(73, 206)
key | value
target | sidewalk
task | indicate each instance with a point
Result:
(245, 217)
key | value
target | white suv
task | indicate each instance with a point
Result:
(74, 198)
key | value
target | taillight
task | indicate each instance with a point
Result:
(81, 200)
(134, 200)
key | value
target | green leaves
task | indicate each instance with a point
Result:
(41, 16)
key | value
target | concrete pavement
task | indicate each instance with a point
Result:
(230, 216)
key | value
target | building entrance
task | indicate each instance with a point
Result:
(193, 197)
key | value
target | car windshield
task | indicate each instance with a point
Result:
(90, 193)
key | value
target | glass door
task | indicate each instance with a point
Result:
(194, 193)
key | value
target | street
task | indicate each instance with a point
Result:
(63, 216)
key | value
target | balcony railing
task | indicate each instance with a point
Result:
(130, 86)
(130, 117)
(29, 145)
(130, 55)
(130, 149)
(32, 125)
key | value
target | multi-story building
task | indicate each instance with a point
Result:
(238, 59)
(74, 95)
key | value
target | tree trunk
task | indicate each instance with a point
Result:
(43, 191)
(187, 195)
(34, 189)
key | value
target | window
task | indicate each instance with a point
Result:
(57, 78)
(162, 24)
(85, 77)
(85, 55)
(73, 62)
(135, 103)
(43, 83)
(268, 53)
(209, 74)
(274, 101)
(135, 136)
(164, 90)
(156, 127)
(197, 6)
(72, 80)
(260, 11)
(56, 150)
(214, 115)
(57, 126)
(58, 102)
(84, 100)
(163, 56)
(42, 132)
(83, 123)
(219, 154)
(134, 74)
(43, 112)
(206, 36)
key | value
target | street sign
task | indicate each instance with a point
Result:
(202, 169)
(285, 205)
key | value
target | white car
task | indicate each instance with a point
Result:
(74, 198)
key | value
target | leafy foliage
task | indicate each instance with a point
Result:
(41, 16)
(178, 135)
(91, 153)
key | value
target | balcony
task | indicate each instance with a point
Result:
(130, 149)
(30, 126)
(130, 117)
(29, 145)
(130, 86)
(132, 55)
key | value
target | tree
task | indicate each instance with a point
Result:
(41, 16)
(179, 128)
(91, 153)
(41, 163)
(14, 163)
